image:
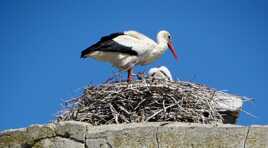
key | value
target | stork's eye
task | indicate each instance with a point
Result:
(169, 37)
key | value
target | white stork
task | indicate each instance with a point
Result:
(160, 73)
(127, 49)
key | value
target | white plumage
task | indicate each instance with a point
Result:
(160, 73)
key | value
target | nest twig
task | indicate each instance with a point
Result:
(143, 101)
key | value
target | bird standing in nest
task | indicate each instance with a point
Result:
(127, 49)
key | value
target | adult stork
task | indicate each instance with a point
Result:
(127, 49)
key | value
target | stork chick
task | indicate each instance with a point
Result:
(160, 73)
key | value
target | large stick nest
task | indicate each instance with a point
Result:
(143, 101)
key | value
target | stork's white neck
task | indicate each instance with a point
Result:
(162, 41)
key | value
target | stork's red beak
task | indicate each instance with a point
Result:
(173, 50)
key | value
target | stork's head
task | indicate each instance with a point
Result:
(164, 39)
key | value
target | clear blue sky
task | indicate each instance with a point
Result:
(223, 44)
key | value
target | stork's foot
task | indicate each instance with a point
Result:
(129, 77)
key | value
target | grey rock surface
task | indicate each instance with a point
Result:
(74, 134)
(72, 129)
(257, 136)
(58, 142)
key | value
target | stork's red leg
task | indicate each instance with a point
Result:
(129, 77)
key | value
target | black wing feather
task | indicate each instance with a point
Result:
(106, 44)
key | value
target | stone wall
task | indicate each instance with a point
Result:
(72, 134)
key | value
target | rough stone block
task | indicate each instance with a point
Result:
(58, 142)
(123, 136)
(97, 143)
(187, 136)
(257, 137)
(73, 129)
(26, 136)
